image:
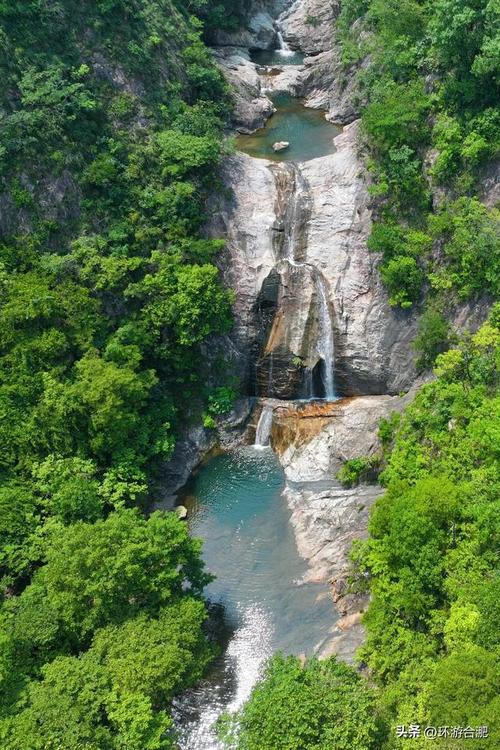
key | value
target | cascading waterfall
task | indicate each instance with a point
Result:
(263, 432)
(283, 47)
(293, 211)
(239, 500)
(325, 337)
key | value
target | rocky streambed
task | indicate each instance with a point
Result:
(321, 355)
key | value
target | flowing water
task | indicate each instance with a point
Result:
(283, 55)
(263, 431)
(237, 509)
(307, 130)
(276, 57)
(293, 210)
(325, 342)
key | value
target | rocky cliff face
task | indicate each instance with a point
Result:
(308, 294)
(298, 232)
(313, 440)
(252, 107)
(276, 309)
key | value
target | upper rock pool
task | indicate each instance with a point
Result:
(276, 57)
(307, 130)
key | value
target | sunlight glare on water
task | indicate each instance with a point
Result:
(236, 507)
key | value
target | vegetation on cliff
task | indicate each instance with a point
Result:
(428, 73)
(111, 116)
(430, 563)
(430, 77)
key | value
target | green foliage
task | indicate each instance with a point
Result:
(457, 154)
(396, 116)
(121, 593)
(111, 132)
(312, 21)
(217, 14)
(431, 85)
(464, 40)
(356, 470)
(403, 279)
(323, 705)
(465, 688)
(471, 243)
(115, 694)
(431, 556)
(102, 573)
(433, 337)
(103, 311)
(221, 400)
(387, 429)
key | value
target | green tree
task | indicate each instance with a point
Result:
(471, 235)
(317, 706)
(103, 573)
(432, 338)
(403, 279)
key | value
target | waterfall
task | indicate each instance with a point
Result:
(325, 343)
(302, 327)
(293, 210)
(263, 432)
(308, 381)
(283, 47)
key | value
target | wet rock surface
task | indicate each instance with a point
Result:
(252, 108)
(313, 440)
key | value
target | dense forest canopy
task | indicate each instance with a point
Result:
(111, 116)
(430, 77)
(111, 121)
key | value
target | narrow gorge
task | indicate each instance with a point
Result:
(249, 371)
(320, 353)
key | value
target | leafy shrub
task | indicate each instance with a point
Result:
(433, 337)
(471, 243)
(403, 279)
(323, 705)
(356, 470)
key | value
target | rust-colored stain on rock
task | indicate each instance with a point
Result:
(297, 423)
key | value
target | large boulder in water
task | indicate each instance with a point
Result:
(280, 145)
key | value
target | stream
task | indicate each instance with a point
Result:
(235, 502)
(235, 505)
(272, 57)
